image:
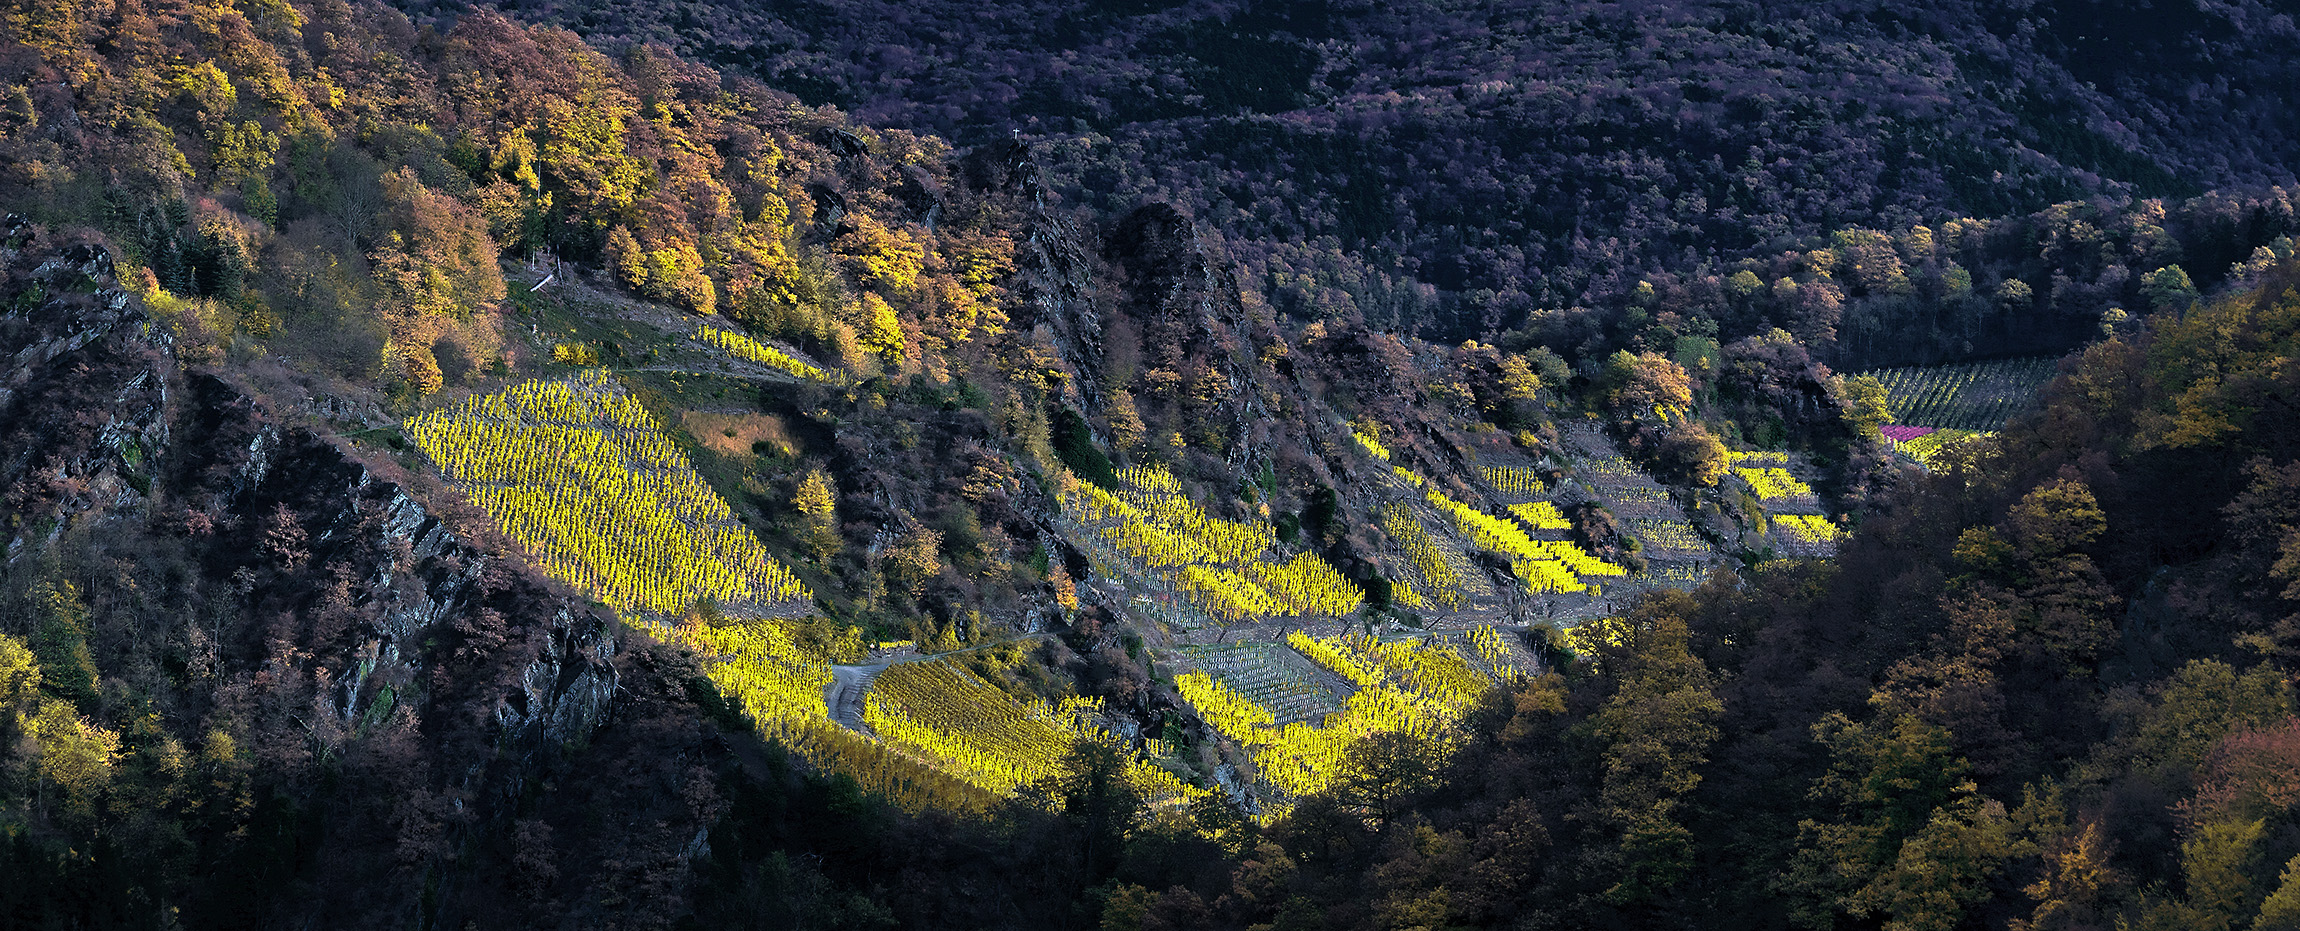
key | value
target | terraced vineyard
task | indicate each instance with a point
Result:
(1443, 574)
(587, 479)
(1666, 538)
(1927, 444)
(1964, 396)
(1233, 571)
(1543, 566)
(751, 350)
(1625, 489)
(1676, 554)
(1420, 687)
(1270, 675)
(1516, 484)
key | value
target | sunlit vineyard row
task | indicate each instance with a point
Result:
(1373, 447)
(947, 739)
(1430, 668)
(1772, 484)
(1928, 448)
(751, 350)
(1435, 672)
(1758, 457)
(1159, 496)
(780, 686)
(1964, 396)
(1404, 593)
(1438, 578)
(1312, 583)
(585, 477)
(1225, 567)
(1542, 565)
(1541, 515)
(1272, 675)
(940, 710)
(1514, 481)
(1808, 528)
(1487, 642)
(1228, 595)
(1337, 658)
(1667, 535)
(1420, 689)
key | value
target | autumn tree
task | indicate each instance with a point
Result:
(1862, 404)
(439, 276)
(1657, 728)
(879, 255)
(818, 515)
(2168, 288)
(1689, 452)
(1646, 386)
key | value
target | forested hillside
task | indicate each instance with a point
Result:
(1461, 169)
(725, 468)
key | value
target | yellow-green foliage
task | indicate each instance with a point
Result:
(1543, 565)
(947, 739)
(1773, 484)
(780, 685)
(583, 475)
(1588, 640)
(575, 354)
(1810, 528)
(74, 755)
(1928, 449)
(1227, 594)
(1226, 567)
(1435, 672)
(1403, 592)
(1312, 583)
(1336, 656)
(1665, 534)
(1436, 573)
(1155, 492)
(1487, 641)
(939, 712)
(1420, 689)
(1514, 481)
(1541, 515)
(776, 680)
(751, 350)
(1373, 447)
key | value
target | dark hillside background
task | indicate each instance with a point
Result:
(1456, 168)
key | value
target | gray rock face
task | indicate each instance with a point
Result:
(103, 429)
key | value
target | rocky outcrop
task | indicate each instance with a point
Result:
(365, 587)
(84, 387)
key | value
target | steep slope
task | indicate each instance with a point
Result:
(1458, 167)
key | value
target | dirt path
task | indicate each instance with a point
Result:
(844, 695)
